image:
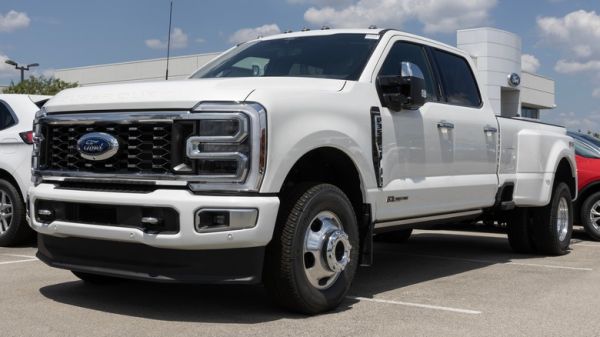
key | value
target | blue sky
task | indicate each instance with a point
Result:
(563, 36)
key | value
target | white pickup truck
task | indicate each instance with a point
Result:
(280, 160)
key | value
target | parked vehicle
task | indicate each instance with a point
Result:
(16, 139)
(278, 160)
(587, 207)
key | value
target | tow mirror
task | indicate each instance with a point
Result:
(406, 91)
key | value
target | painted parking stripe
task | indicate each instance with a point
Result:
(498, 262)
(417, 305)
(18, 261)
(18, 255)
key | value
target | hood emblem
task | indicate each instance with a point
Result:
(97, 146)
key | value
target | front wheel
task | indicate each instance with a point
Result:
(554, 223)
(590, 216)
(313, 257)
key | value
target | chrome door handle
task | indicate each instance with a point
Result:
(445, 125)
(490, 129)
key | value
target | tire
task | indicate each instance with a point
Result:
(13, 226)
(312, 211)
(398, 236)
(95, 279)
(519, 229)
(553, 227)
(590, 216)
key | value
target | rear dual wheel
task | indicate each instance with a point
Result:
(546, 230)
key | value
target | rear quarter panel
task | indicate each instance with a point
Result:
(530, 153)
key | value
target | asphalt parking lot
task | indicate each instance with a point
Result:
(439, 283)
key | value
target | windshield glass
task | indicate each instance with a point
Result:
(337, 56)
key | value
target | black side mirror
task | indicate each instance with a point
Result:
(406, 91)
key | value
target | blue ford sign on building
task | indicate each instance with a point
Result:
(97, 146)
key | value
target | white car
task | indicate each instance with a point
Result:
(280, 159)
(16, 138)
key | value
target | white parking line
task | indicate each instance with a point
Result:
(18, 255)
(418, 305)
(18, 261)
(498, 262)
(585, 245)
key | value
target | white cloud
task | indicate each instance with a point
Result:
(529, 63)
(247, 34)
(572, 67)
(179, 39)
(13, 20)
(578, 32)
(6, 70)
(596, 93)
(200, 40)
(575, 121)
(437, 16)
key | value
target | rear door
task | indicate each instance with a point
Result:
(473, 130)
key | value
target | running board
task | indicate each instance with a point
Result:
(432, 219)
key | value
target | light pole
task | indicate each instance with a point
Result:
(21, 68)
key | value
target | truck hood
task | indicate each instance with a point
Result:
(183, 94)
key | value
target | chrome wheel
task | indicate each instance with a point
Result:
(595, 215)
(6, 212)
(562, 219)
(326, 250)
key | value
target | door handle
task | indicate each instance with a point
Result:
(490, 129)
(445, 125)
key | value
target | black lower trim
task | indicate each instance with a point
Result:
(138, 261)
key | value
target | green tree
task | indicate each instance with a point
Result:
(39, 86)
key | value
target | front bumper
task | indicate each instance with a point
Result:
(141, 262)
(183, 201)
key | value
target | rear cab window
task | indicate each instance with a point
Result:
(457, 79)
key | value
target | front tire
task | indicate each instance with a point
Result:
(313, 257)
(554, 223)
(13, 226)
(590, 216)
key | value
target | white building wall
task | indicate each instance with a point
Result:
(497, 54)
(146, 70)
(537, 91)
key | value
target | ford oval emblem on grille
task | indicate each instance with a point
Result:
(97, 146)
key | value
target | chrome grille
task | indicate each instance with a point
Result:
(144, 148)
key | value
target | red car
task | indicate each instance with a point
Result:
(588, 175)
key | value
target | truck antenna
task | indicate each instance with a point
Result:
(169, 42)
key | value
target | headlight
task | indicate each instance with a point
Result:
(225, 146)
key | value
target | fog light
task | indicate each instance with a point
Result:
(216, 220)
(45, 215)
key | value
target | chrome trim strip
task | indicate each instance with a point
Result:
(401, 222)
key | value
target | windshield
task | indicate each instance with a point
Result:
(337, 56)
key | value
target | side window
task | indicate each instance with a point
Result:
(6, 118)
(458, 80)
(409, 52)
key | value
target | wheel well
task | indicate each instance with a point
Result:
(328, 165)
(8, 177)
(564, 173)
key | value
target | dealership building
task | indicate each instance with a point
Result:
(497, 54)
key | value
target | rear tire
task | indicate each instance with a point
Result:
(14, 229)
(553, 224)
(297, 264)
(590, 216)
(519, 230)
(398, 236)
(95, 279)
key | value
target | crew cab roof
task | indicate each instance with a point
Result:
(365, 31)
